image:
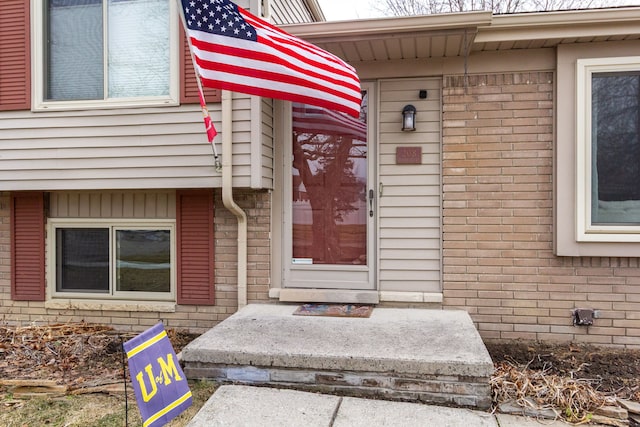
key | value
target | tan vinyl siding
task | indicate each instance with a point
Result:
(113, 204)
(290, 12)
(410, 205)
(266, 153)
(119, 149)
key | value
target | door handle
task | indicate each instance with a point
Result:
(371, 195)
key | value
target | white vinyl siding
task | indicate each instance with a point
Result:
(410, 205)
(126, 149)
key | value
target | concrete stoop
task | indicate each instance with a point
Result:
(430, 356)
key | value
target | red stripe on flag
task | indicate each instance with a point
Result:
(237, 51)
(208, 123)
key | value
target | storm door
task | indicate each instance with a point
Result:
(330, 200)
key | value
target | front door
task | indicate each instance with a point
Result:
(330, 200)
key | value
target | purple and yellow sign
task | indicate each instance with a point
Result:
(160, 386)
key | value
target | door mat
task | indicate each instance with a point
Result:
(334, 310)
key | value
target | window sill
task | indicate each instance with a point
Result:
(102, 104)
(73, 304)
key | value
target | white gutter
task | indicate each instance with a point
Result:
(227, 194)
(562, 25)
(387, 27)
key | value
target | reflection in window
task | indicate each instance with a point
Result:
(143, 260)
(615, 144)
(113, 261)
(329, 186)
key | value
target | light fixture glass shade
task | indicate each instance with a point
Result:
(409, 118)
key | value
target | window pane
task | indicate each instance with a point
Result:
(143, 260)
(615, 138)
(74, 69)
(138, 48)
(329, 176)
(82, 260)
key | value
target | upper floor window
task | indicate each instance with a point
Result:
(608, 149)
(99, 53)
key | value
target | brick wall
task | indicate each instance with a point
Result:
(257, 206)
(497, 221)
(196, 319)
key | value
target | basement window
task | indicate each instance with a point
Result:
(113, 260)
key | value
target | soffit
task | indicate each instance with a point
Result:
(450, 35)
(384, 39)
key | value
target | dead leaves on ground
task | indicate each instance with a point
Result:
(69, 354)
(574, 400)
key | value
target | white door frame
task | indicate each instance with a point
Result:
(336, 276)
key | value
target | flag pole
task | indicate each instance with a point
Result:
(203, 104)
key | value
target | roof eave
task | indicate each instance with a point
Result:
(561, 24)
(341, 30)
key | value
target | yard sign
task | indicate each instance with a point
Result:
(160, 386)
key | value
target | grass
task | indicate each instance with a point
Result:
(90, 410)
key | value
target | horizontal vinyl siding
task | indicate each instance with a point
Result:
(119, 149)
(410, 206)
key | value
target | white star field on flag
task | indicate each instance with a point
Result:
(218, 17)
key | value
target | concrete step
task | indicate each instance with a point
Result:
(431, 356)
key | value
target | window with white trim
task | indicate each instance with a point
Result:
(119, 260)
(608, 149)
(101, 53)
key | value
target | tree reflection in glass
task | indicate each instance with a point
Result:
(329, 185)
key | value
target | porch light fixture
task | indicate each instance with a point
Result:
(409, 118)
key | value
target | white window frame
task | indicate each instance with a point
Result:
(112, 225)
(585, 230)
(38, 103)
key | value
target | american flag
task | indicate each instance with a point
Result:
(237, 51)
(311, 119)
(208, 123)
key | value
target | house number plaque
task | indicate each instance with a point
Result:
(408, 155)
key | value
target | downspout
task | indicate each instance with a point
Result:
(227, 194)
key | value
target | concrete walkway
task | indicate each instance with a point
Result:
(248, 406)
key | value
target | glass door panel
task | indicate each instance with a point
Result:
(329, 197)
(331, 204)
